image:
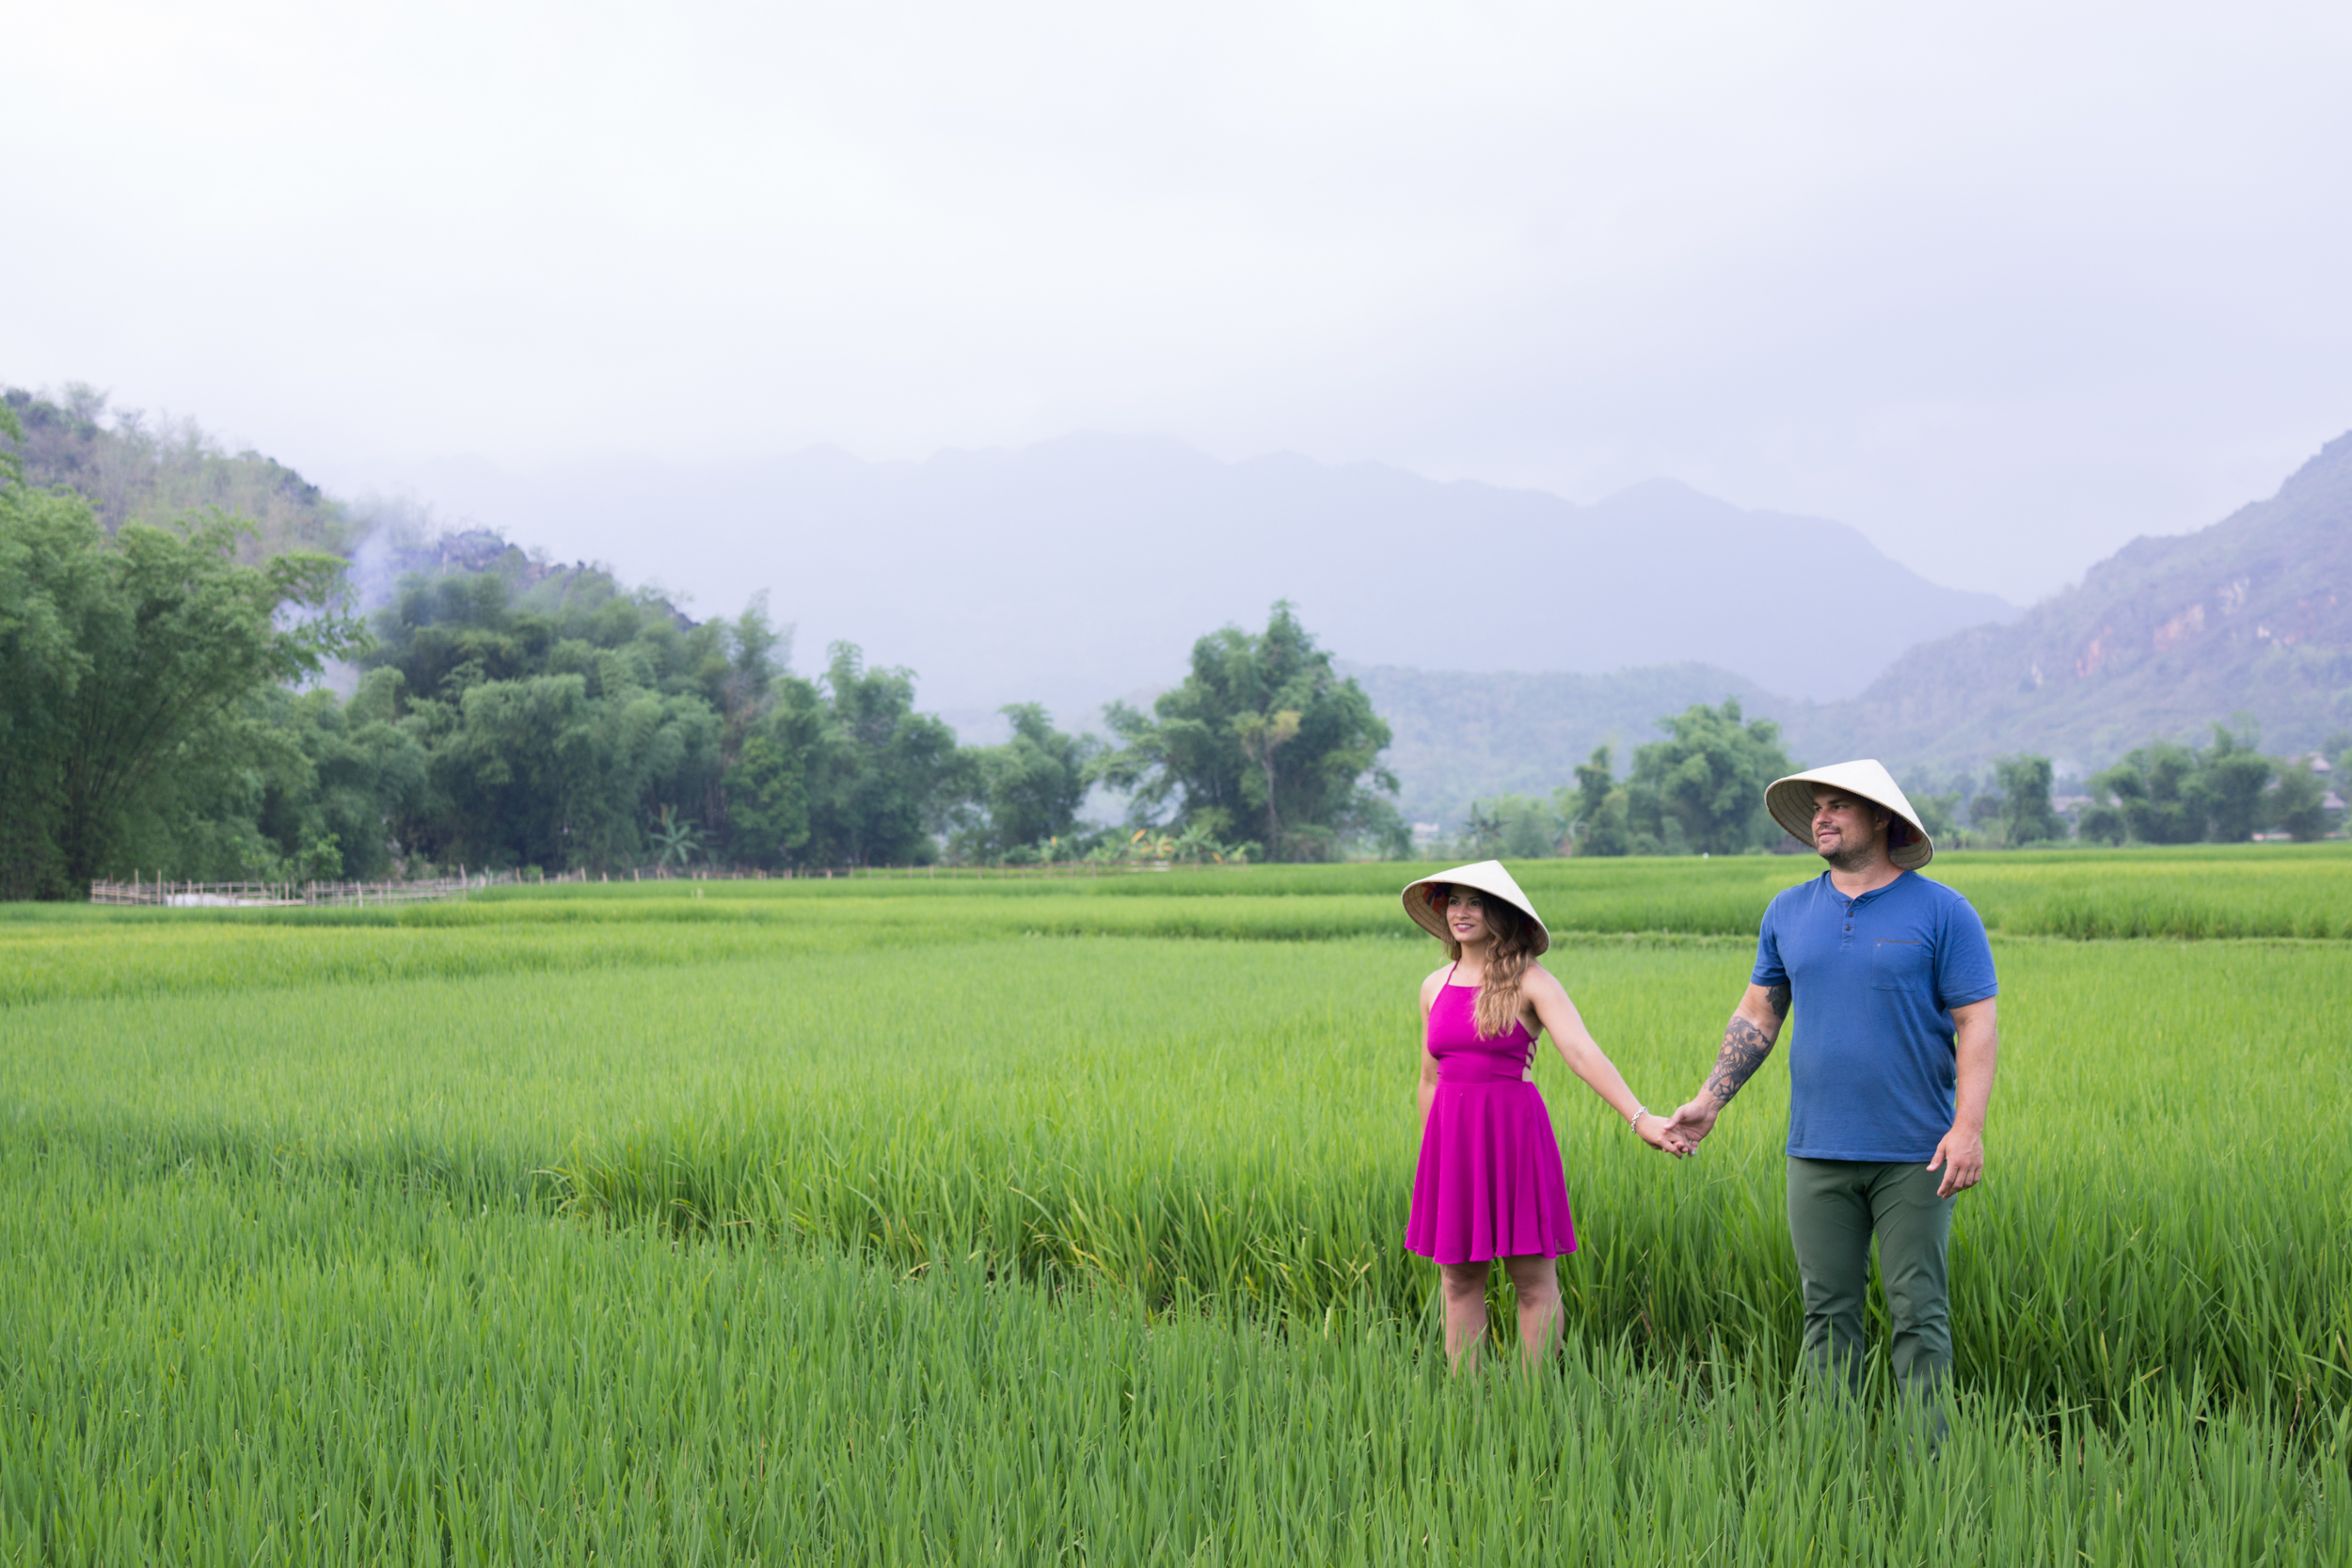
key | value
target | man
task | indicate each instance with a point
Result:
(1889, 1073)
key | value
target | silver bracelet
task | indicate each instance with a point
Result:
(1634, 1122)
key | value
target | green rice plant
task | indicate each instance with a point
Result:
(203, 1367)
(1229, 1124)
(46, 952)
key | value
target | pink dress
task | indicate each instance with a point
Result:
(1489, 1184)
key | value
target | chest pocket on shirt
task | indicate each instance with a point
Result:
(1902, 966)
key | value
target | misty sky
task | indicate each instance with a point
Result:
(2002, 285)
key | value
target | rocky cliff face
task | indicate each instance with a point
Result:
(2253, 614)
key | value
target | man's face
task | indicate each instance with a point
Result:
(1847, 830)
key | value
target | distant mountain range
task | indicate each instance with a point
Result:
(2164, 638)
(1081, 569)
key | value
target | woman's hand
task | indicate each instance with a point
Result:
(1657, 1131)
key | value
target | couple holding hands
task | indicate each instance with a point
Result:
(1890, 1072)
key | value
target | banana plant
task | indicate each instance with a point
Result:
(675, 841)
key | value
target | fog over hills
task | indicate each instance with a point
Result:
(1081, 569)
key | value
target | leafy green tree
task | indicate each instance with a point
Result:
(2103, 824)
(1702, 787)
(122, 661)
(2173, 794)
(340, 773)
(2297, 806)
(1031, 789)
(1517, 826)
(2155, 788)
(2026, 814)
(1261, 737)
(1935, 815)
(559, 717)
(2231, 776)
(884, 779)
(767, 788)
(1596, 809)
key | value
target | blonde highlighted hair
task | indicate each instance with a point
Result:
(1510, 948)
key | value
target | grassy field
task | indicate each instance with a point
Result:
(923, 1220)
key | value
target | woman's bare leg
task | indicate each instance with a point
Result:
(1465, 1308)
(1537, 1282)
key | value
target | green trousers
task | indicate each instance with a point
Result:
(1835, 1208)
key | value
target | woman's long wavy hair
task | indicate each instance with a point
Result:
(1509, 951)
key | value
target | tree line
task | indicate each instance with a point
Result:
(165, 709)
(1699, 789)
(161, 711)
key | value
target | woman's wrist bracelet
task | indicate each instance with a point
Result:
(1634, 1122)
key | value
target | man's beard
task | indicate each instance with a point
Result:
(1851, 857)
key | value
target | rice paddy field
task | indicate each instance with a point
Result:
(938, 1220)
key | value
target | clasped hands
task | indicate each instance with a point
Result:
(1660, 1132)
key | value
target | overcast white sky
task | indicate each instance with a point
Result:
(2001, 284)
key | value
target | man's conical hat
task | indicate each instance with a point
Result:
(1791, 801)
(1487, 877)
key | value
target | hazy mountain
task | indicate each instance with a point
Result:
(1083, 568)
(2165, 637)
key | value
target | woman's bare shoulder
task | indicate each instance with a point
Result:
(1435, 978)
(1537, 979)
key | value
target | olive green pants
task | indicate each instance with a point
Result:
(1835, 1208)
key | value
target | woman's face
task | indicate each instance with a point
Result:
(1466, 916)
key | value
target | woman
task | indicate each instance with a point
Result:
(1489, 1184)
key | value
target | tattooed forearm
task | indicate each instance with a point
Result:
(1745, 1047)
(1746, 1043)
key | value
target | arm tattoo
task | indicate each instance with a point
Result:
(1746, 1046)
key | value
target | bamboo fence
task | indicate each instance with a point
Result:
(169, 894)
(279, 895)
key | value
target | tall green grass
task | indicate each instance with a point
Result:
(882, 1222)
(202, 1368)
(1230, 1124)
(2201, 891)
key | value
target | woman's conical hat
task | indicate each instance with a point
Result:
(1487, 877)
(1791, 801)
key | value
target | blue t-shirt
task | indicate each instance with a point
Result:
(1873, 981)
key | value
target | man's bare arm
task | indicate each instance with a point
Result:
(1748, 1038)
(1960, 1154)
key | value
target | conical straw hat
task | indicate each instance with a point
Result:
(1487, 877)
(1791, 801)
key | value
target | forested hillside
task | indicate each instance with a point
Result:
(2166, 638)
(131, 469)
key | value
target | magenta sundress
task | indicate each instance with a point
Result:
(1490, 1184)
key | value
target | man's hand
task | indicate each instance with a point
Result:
(1962, 1155)
(1693, 1121)
(1657, 1131)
